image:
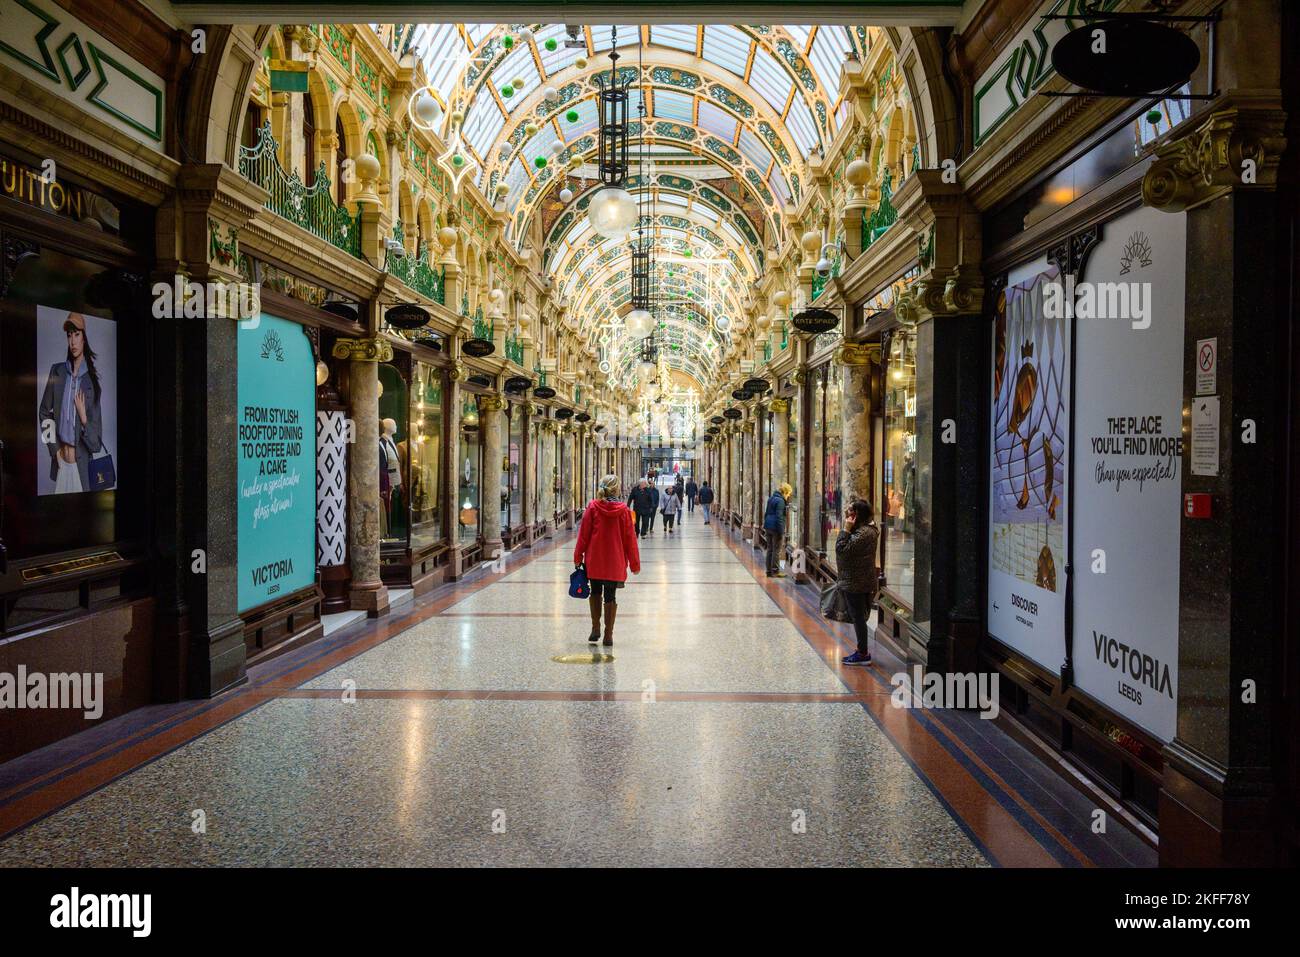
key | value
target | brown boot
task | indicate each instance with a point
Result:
(593, 601)
(611, 612)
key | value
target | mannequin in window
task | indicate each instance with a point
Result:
(392, 462)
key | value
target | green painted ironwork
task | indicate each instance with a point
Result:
(916, 157)
(483, 328)
(884, 216)
(767, 350)
(311, 207)
(515, 349)
(427, 280)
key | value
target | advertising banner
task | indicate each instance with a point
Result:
(1027, 478)
(277, 460)
(1128, 455)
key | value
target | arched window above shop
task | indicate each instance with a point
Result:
(340, 159)
(308, 141)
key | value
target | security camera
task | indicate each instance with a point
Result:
(394, 248)
(823, 267)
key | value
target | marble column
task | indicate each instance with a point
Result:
(734, 499)
(749, 478)
(546, 481)
(780, 441)
(855, 418)
(490, 424)
(368, 592)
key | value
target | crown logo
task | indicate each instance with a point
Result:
(1027, 350)
(1138, 247)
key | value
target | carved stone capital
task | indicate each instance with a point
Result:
(779, 405)
(363, 350)
(1238, 147)
(799, 376)
(857, 353)
(958, 293)
(491, 403)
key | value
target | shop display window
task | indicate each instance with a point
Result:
(468, 471)
(832, 508)
(394, 457)
(426, 456)
(898, 467)
(794, 462)
(514, 480)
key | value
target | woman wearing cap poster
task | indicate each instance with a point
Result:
(71, 423)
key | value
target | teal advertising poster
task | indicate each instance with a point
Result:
(277, 460)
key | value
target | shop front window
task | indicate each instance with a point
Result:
(514, 477)
(565, 482)
(794, 474)
(898, 479)
(426, 456)
(832, 509)
(536, 478)
(468, 470)
(394, 449)
(816, 454)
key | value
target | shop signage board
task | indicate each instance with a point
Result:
(1028, 468)
(276, 450)
(1025, 64)
(54, 50)
(1128, 448)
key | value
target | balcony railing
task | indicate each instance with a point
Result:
(311, 207)
(515, 349)
(884, 216)
(417, 273)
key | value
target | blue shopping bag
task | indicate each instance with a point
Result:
(578, 587)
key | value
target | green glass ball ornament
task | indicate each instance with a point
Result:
(540, 162)
(508, 41)
(550, 43)
(571, 116)
(458, 160)
(507, 91)
(1155, 116)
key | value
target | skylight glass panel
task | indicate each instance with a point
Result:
(518, 64)
(780, 188)
(477, 31)
(707, 213)
(727, 47)
(717, 121)
(772, 82)
(555, 60)
(539, 145)
(827, 56)
(800, 122)
(799, 35)
(588, 120)
(627, 36)
(676, 37)
(673, 199)
(482, 124)
(671, 105)
(442, 50)
(754, 149)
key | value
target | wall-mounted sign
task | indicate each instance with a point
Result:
(1127, 487)
(1025, 65)
(1207, 366)
(28, 185)
(1028, 468)
(1205, 436)
(50, 47)
(277, 460)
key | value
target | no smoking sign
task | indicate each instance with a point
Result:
(1207, 366)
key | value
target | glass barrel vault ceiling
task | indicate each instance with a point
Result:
(731, 113)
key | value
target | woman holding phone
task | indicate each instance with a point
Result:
(855, 557)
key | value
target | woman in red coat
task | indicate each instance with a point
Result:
(607, 546)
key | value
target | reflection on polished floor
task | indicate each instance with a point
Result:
(723, 733)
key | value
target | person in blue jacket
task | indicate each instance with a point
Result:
(774, 526)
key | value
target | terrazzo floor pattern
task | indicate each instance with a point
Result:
(501, 778)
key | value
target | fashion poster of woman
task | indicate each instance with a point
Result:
(76, 359)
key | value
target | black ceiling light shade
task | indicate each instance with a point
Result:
(732, 413)
(564, 413)
(741, 395)
(1126, 56)
(478, 348)
(611, 102)
(518, 383)
(717, 420)
(815, 320)
(407, 315)
(756, 385)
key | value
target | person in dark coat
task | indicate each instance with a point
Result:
(706, 499)
(774, 526)
(855, 560)
(691, 491)
(644, 501)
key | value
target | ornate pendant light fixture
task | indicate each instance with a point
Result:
(612, 211)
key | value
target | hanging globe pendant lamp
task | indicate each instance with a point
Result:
(612, 212)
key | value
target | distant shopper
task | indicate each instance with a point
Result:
(774, 526)
(692, 490)
(607, 547)
(855, 557)
(670, 505)
(644, 500)
(706, 499)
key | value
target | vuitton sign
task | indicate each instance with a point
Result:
(27, 185)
